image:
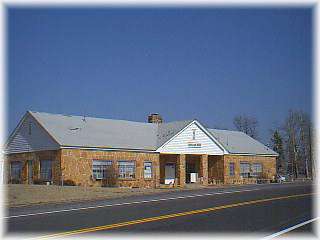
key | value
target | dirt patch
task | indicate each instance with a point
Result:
(20, 194)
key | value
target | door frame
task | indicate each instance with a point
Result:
(169, 180)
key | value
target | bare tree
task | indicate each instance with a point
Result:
(306, 143)
(291, 129)
(246, 124)
(313, 171)
(297, 129)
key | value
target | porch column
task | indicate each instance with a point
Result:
(204, 169)
(182, 169)
(157, 172)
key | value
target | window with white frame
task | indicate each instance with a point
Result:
(256, 170)
(16, 169)
(147, 169)
(46, 170)
(244, 169)
(127, 169)
(99, 168)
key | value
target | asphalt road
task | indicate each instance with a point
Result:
(261, 209)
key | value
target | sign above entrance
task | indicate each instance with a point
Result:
(191, 140)
(194, 145)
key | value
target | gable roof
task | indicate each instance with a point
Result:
(168, 130)
(77, 131)
(240, 143)
(107, 133)
(180, 142)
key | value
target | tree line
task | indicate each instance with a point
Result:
(292, 140)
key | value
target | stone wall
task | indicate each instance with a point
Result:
(268, 166)
(215, 169)
(77, 166)
(35, 157)
(204, 169)
(182, 169)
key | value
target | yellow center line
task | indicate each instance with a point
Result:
(168, 216)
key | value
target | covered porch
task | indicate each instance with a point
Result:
(181, 169)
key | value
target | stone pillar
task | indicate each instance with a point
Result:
(156, 169)
(182, 169)
(204, 169)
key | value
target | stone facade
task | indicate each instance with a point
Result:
(268, 167)
(76, 165)
(215, 169)
(204, 169)
(182, 169)
(35, 157)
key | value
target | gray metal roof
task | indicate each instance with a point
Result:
(98, 132)
(240, 143)
(78, 131)
(168, 130)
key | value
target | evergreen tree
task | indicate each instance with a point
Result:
(277, 146)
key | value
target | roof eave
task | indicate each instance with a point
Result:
(107, 148)
(254, 154)
(220, 145)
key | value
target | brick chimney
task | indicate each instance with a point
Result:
(155, 118)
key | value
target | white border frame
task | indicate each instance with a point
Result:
(126, 3)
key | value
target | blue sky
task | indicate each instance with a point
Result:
(184, 63)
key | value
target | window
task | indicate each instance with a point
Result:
(127, 169)
(99, 168)
(16, 168)
(147, 169)
(256, 169)
(231, 169)
(244, 169)
(46, 170)
(193, 134)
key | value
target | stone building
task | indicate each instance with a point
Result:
(49, 148)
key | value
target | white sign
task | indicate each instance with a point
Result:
(194, 145)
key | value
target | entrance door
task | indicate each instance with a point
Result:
(192, 168)
(170, 173)
(30, 172)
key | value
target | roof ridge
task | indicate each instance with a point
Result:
(177, 121)
(81, 116)
(225, 130)
(103, 118)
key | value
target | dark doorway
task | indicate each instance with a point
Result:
(192, 168)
